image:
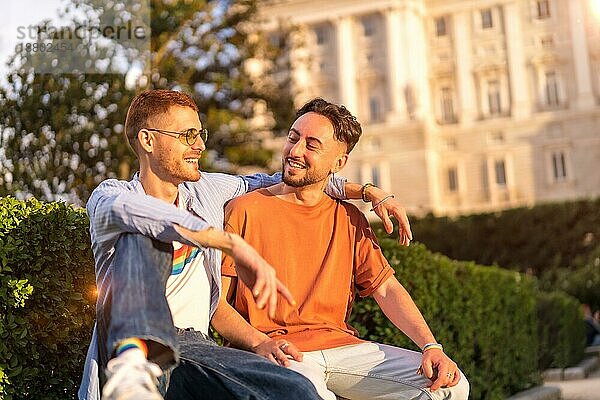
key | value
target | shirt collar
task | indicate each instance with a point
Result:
(185, 195)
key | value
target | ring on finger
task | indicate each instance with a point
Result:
(283, 346)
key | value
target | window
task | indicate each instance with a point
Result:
(559, 167)
(495, 107)
(497, 137)
(547, 41)
(450, 144)
(543, 9)
(368, 27)
(552, 98)
(276, 40)
(486, 19)
(372, 144)
(320, 34)
(500, 169)
(452, 179)
(374, 109)
(447, 105)
(440, 26)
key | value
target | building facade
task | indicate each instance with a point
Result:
(466, 105)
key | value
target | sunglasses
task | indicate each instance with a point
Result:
(187, 137)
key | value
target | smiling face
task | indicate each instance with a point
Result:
(170, 159)
(311, 152)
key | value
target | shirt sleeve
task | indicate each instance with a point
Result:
(114, 209)
(335, 187)
(260, 180)
(371, 269)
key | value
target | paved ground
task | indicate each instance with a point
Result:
(584, 389)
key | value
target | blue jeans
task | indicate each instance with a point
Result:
(209, 371)
(137, 307)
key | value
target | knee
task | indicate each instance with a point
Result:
(137, 242)
(300, 387)
(143, 249)
(460, 391)
(462, 388)
(135, 253)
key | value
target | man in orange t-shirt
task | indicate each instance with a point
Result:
(324, 251)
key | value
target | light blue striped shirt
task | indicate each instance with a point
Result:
(117, 207)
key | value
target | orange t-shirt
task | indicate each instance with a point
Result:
(322, 253)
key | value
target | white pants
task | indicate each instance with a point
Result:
(372, 371)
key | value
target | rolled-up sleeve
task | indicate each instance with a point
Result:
(114, 209)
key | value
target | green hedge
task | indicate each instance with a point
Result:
(485, 316)
(46, 299)
(560, 329)
(582, 283)
(536, 239)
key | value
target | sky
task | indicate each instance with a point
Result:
(15, 13)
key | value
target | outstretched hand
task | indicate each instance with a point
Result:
(386, 206)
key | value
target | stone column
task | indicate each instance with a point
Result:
(346, 63)
(541, 74)
(299, 58)
(396, 66)
(581, 58)
(464, 65)
(365, 172)
(520, 107)
(416, 54)
(384, 174)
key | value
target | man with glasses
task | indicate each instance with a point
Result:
(157, 245)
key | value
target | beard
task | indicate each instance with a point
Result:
(179, 170)
(309, 178)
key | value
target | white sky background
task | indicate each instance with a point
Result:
(15, 13)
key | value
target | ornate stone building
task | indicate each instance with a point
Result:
(466, 105)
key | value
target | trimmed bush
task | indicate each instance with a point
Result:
(485, 317)
(583, 283)
(526, 239)
(560, 329)
(47, 299)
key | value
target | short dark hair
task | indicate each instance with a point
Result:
(151, 104)
(346, 127)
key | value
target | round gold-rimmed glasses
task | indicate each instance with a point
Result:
(187, 137)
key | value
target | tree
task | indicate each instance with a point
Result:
(61, 133)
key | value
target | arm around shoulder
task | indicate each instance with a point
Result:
(335, 186)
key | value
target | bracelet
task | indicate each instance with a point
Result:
(430, 346)
(386, 198)
(363, 191)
